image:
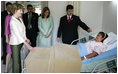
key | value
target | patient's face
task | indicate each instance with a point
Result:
(99, 38)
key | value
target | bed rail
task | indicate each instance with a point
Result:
(100, 70)
(79, 39)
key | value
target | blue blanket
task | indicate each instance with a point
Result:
(82, 49)
(108, 54)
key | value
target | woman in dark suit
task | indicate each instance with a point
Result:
(3, 15)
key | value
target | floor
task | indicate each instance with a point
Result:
(24, 52)
(9, 68)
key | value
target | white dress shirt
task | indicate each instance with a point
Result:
(18, 33)
(8, 12)
(69, 16)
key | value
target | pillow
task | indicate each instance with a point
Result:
(107, 40)
(111, 38)
(111, 46)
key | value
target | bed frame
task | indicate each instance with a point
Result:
(105, 66)
(95, 70)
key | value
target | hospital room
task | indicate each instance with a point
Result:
(58, 36)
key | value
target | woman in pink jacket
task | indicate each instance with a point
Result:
(7, 34)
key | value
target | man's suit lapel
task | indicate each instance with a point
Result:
(72, 18)
(6, 13)
(66, 19)
(27, 16)
(32, 16)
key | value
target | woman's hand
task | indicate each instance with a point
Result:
(93, 54)
(47, 35)
(58, 39)
(82, 58)
(7, 40)
(28, 41)
(31, 49)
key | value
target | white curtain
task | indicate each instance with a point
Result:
(76, 5)
(76, 10)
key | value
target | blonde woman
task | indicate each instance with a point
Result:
(18, 36)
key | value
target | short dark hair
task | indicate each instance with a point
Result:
(104, 35)
(29, 5)
(69, 7)
(44, 10)
(8, 3)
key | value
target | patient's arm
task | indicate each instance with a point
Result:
(93, 54)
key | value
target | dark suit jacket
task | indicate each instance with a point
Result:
(34, 23)
(69, 31)
(3, 15)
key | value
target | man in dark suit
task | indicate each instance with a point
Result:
(3, 15)
(31, 23)
(68, 27)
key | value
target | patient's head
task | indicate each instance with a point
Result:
(101, 37)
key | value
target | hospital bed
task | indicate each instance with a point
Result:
(105, 62)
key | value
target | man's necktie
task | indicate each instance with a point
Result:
(29, 20)
(69, 19)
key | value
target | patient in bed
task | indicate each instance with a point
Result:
(93, 48)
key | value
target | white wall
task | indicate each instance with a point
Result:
(110, 17)
(58, 9)
(91, 14)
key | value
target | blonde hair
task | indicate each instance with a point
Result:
(16, 6)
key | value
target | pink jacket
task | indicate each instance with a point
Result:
(7, 25)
